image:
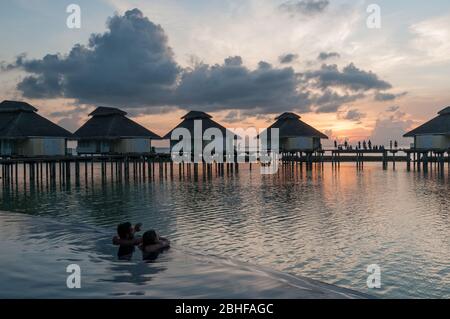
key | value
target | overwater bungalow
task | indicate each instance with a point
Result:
(24, 133)
(433, 135)
(109, 131)
(295, 135)
(206, 121)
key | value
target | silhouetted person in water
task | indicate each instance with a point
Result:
(126, 240)
(153, 245)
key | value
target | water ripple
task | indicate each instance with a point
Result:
(326, 224)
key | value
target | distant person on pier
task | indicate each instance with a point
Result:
(153, 245)
(391, 144)
(370, 145)
(396, 145)
(335, 144)
(126, 240)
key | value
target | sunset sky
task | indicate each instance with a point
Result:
(243, 61)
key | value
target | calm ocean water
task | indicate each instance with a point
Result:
(326, 224)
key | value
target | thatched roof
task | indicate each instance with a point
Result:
(191, 117)
(111, 123)
(105, 111)
(290, 125)
(20, 120)
(440, 125)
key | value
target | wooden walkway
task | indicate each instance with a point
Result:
(119, 167)
(62, 169)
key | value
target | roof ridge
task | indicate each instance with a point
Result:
(445, 111)
(293, 124)
(107, 111)
(180, 125)
(196, 115)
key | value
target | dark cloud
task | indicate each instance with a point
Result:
(232, 117)
(351, 115)
(288, 58)
(130, 64)
(350, 78)
(327, 55)
(330, 101)
(232, 85)
(383, 97)
(305, 7)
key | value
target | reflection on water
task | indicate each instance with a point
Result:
(37, 250)
(328, 224)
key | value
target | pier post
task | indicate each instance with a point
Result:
(425, 161)
(408, 161)
(54, 172)
(144, 163)
(394, 158)
(111, 163)
(161, 170)
(85, 169)
(77, 172)
(16, 172)
(92, 168)
(31, 165)
(3, 173)
(414, 160)
(419, 162)
(68, 175)
(441, 161)
(60, 171)
(36, 172)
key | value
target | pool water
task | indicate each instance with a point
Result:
(327, 224)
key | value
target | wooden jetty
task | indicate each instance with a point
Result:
(63, 169)
(417, 158)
